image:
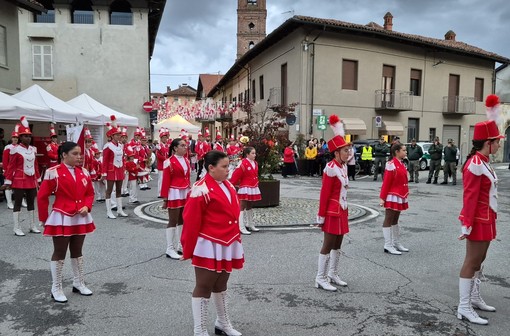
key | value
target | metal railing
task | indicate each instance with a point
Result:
(83, 17)
(48, 17)
(459, 105)
(121, 18)
(393, 100)
(277, 96)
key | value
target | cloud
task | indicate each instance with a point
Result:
(197, 36)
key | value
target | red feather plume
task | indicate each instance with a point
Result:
(492, 100)
(333, 119)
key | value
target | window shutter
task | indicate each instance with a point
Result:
(37, 53)
(3, 45)
(47, 62)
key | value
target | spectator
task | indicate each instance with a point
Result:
(381, 151)
(289, 165)
(414, 154)
(436, 154)
(310, 156)
(366, 159)
(450, 165)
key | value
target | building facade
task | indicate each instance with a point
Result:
(98, 47)
(379, 81)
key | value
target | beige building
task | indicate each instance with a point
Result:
(98, 47)
(379, 81)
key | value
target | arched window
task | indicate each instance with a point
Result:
(81, 12)
(252, 2)
(120, 13)
(48, 17)
(251, 44)
(251, 26)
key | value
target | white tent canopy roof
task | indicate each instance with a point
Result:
(87, 103)
(12, 109)
(60, 111)
(175, 124)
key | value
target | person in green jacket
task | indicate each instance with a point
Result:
(436, 154)
(414, 154)
(381, 151)
(450, 162)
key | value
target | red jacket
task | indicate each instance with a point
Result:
(233, 150)
(480, 193)
(133, 170)
(245, 175)
(209, 214)
(333, 197)
(174, 176)
(201, 148)
(288, 155)
(395, 180)
(52, 152)
(6, 155)
(113, 161)
(23, 170)
(162, 153)
(70, 194)
(219, 147)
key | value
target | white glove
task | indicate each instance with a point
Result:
(466, 231)
(320, 220)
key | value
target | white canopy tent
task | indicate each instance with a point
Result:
(87, 103)
(175, 124)
(60, 111)
(12, 109)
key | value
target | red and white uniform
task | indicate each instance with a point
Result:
(162, 153)
(333, 211)
(176, 181)
(480, 207)
(202, 148)
(246, 176)
(73, 190)
(395, 190)
(210, 234)
(6, 155)
(52, 153)
(94, 169)
(22, 171)
(144, 154)
(88, 160)
(113, 161)
(219, 147)
(133, 169)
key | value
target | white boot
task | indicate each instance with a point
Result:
(8, 198)
(31, 219)
(24, 202)
(395, 236)
(334, 258)
(109, 212)
(465, 309)
(57, 293)
(78, 281)
(476, 299)
(120, 212)
(222, 326)
(178, 233)
(170, 251)
(199, 306)
(321, 280)
(242, 228)
(249, 220)
(388, 244)
(17, 228)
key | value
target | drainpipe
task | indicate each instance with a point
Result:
(312, 75)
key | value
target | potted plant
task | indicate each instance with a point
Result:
(264, 130)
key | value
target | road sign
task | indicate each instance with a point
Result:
(378, 121)
(317, 112)
(147, 106)
(321, 122)
(290, 119)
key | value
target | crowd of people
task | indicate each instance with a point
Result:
(206, 218)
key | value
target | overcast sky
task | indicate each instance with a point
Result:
(199, 36)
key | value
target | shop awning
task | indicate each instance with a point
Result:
(392, 128)
(354, 126)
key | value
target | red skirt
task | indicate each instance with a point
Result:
(337, 225)
(216, 257)
(59, 224)
(396, 203)
(484, 232)
(117, 174)
(251, 194)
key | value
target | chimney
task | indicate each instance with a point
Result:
(388, 21)
(168, 89)
(450, 35)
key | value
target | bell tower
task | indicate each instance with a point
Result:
(251, 24)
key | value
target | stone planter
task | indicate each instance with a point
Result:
(270, 191)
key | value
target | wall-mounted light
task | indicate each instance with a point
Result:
(438, 62)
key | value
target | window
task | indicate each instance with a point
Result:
(479, 89)
(432, 134)
(120, 13)
(349, 75)
(261, 87)
(413, 129)
(251, 45)
(81, 12)
(253, 93)
(251, 26)
(3, 46)
(252, 2)
(415, 86)
(283, 80)
(42, 62)
(48, 17)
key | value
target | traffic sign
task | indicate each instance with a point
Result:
(147, 106)
(321, 122)
(378, 121)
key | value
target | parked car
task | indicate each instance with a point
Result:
(425, 159)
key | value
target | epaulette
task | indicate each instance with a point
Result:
(167, 163)
(476, 166)
(330, 169)
(51, 173)
(390, 165)
(199, 189)
(85, 171)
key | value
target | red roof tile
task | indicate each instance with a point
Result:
(208, 81)
(183, 90)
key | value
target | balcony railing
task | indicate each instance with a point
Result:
(83, 17)
(459, 105)
(227, 116)
(121, 18)
(277, 96)
(48, 17)
(393, 100)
